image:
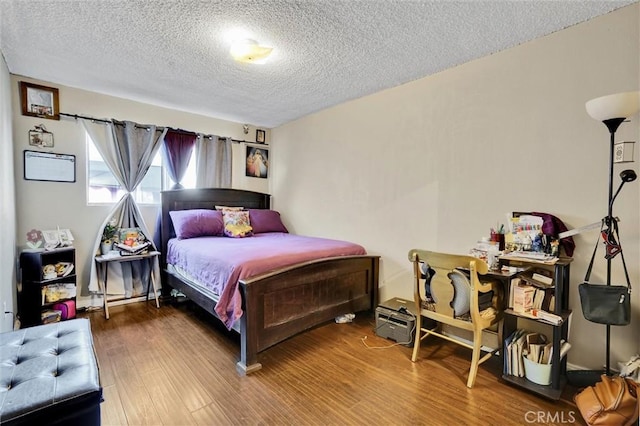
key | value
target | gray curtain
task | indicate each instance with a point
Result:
(128, 150)
(213, 162)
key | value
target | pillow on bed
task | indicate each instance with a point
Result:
(264, 220)
(223, 208)
(197, 223)
(236, 223)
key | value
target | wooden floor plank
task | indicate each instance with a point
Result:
(175, 365)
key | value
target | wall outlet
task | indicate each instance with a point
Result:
(623, 152)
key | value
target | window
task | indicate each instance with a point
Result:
(103, 188)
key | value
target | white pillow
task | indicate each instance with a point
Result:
(461, 302)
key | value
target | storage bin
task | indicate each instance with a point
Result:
(537, 373)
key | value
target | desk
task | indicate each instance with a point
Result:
(102, 264)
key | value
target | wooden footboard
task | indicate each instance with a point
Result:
(281, 304)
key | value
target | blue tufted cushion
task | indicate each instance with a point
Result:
(48, 372)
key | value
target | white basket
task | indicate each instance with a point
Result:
(537, 373)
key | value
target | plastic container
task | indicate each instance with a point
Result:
(537, 373)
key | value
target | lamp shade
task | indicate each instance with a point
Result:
(619, 105)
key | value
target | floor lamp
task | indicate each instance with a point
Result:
(612, 110)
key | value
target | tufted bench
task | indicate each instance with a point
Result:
(49, 375)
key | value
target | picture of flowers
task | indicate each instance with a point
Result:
(257, 162)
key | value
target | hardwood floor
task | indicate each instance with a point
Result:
(176, 366)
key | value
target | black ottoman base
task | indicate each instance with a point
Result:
(49, 375)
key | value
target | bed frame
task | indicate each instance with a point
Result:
(282, 303)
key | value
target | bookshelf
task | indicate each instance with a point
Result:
(48, 279)
(560, 287)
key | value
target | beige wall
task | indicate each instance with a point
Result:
(435, 163)
(7, 205)
(45, 205)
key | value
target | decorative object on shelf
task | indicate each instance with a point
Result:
(257, 162)
(57, 238)
(612, 110)
(260, 136)
(109, 234)
(131, 242)
(35, 239)
(249, 51)
(245, 129)
(39, 136)
(39, 101)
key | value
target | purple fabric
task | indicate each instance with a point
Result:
(263, 220)
(552, 225)
(176, 150)
(196, 223)
(219, 262)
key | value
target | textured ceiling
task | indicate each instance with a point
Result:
(175, 53)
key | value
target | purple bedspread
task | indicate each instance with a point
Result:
(220, 262)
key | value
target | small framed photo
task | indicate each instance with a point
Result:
(41, 138)
(260, 136)
(61, 237)
(39, 101)
(257, 162)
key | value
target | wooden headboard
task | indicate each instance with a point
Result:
(204, 198)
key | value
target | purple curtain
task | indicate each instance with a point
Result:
(176, 153)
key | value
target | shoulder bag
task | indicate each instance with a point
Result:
(606, 304)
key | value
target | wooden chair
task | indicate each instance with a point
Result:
(452, 291)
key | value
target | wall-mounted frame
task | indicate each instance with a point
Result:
(40, 137)
(39, 101)
(47, 166)
(257, 162)
(260, 136)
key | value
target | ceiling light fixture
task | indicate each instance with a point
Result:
(249, 51)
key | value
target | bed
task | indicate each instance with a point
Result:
(279, 303)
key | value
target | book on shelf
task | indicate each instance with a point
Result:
(139, 248)
(544, 316)
(542, 278)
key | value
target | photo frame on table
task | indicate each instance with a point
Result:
(260, 136)
(257, 164)
(39, 101)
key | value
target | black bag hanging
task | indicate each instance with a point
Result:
(606, 304)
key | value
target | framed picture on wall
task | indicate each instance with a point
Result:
(39, 101)
(257, 162)
(260, 136)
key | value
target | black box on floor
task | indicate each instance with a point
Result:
(396, 320)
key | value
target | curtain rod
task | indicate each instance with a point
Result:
(76, 116)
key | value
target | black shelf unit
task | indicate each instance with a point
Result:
(31, 301)
(561, 275)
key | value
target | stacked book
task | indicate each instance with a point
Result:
(131, 250)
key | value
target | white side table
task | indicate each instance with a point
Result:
(102, 264)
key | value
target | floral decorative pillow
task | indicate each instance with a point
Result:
(237, 223)
(223, 208)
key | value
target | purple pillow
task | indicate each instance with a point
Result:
(266, 221)
(197, 223)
